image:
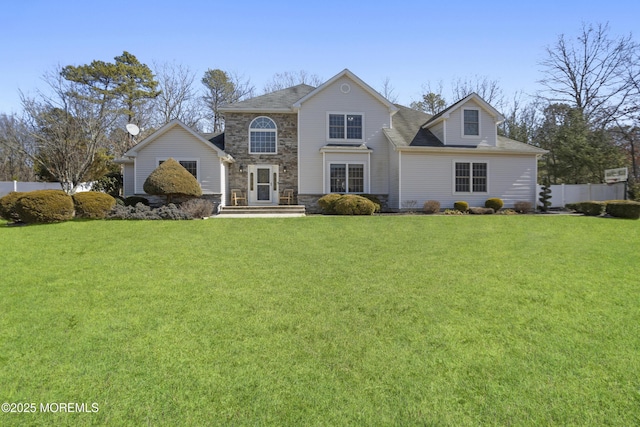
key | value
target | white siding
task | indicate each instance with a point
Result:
(180, 144)
(488, 130)
(394, 177)
(313, 134)
(128, 180)
(430, 177)
(438, 130)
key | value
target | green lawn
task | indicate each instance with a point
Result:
(386, 320)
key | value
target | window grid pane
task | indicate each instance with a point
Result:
(471, 122)
(354, 127)
(463, 175)
(356, 179)
(336, 126)
(191, 166)
(337, 179)
(263, 142)
(480, 177)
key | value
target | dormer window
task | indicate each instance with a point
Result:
(471, 123)
(345, 127)
(262, 136)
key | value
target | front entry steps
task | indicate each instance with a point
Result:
(261, 211)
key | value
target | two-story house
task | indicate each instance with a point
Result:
(344, 137)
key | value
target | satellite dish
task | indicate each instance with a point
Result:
(133, 129)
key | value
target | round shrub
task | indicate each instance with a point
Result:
(327, 203)
(93, 204)
(8, 206)
(431, 206)
(171, 179)
(134, 200)
(45, 206)
(374, 199)
(351, 204)
(461, 206)
(494, 203)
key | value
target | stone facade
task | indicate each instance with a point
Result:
(236, 143)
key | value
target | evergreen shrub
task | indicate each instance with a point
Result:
(623, 209)
(45, 206)
(327, 203)
(93, 204)
(374, 199)
(494, 203)
(461, 206)
(171, 179)
(8, 206)
(591, 208)
(351, 204)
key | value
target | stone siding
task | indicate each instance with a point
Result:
(236, 143)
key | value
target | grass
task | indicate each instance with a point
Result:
(408, 320)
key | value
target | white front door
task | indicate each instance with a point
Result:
(263, 184)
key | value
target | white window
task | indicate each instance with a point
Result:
(263, 135)
(470, 177)
(345, 127)
(471, 122)
(346, 178)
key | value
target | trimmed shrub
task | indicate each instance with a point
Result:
(44, 206)
(523, 206)
(461, 206)
(93, 204)
(374, 199)
(8, 206)
(592, 208)
(198, 208)
(431, 206)
(144, 212)
(134, 200)
(494, 203)
(623, 209)
(545, 197)
(171, 179)
(351, 204)
(327, 203)
(481, 211)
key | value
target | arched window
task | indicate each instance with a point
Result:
(262, 135)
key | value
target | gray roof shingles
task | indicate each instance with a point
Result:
(278, 100)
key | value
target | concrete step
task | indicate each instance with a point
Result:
(261, 211)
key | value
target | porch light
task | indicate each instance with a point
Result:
(241, 169)
(284, 169)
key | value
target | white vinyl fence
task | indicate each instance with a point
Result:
(7, 187)
(573, 193)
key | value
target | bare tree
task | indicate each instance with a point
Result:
(591, 73)
(65, 130)
(178, 98)
(522, 119)
(291, 78)
(14, 141)
(432, 100)
(388, 91)
(487, 89)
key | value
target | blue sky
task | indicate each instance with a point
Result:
(410, 42)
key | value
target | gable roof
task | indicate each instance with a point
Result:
(346, 73)
(133, 152)
(409, 133)
(444, 114)
(278, 101)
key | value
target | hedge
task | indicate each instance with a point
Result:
(45, 206)
(93, 204)
(8, 206)
(623, 209)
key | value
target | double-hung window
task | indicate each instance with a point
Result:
(470, 177)
(471, 122)
(346, 178)
(262, 136)
(345, 127)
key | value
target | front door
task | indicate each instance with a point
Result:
(263, 187)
